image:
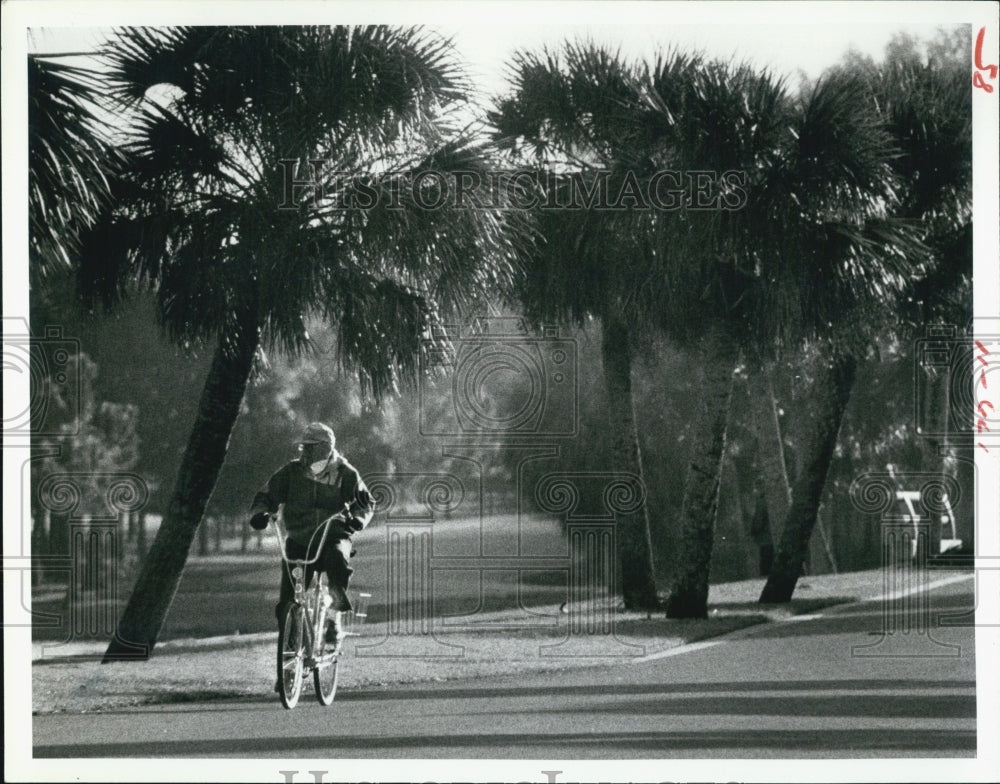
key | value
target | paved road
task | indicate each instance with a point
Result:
(783, 690)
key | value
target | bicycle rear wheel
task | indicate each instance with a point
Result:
(291, 655)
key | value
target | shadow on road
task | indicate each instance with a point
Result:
(858, 742)
(625, 689)
(437, 691)
(917, 705)
(868, 619)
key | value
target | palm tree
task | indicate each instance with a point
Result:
(569, 279)
(814, 237)
(927, 108)
(749, 275)
(570, 114)
(221, 121)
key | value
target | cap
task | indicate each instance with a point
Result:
(318, 433)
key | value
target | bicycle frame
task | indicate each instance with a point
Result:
(305, 616)
(316, 602)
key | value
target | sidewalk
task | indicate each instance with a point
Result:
(70, 677)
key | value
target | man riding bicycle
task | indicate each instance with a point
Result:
(311, 489)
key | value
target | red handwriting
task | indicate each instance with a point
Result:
(991, 70)
(981, 422)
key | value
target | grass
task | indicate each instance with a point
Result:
(483, 624)
(242, 666)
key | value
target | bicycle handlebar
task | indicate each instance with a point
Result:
(325, 526)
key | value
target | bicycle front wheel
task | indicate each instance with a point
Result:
(291, 655)
(325, 678)
(325, 670)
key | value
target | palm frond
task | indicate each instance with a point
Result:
(816, 238)
(580, 102)
(167, 144)
(843, 151)
(140, 58)
(68, 159)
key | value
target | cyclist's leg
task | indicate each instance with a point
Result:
(336, 563)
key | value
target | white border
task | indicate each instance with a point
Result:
(19, 15)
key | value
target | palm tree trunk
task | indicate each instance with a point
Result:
(827, 546)
(689, 593)
(635, 545)
(771, 454)
(833, 391)
(771, 466)
(161, 572)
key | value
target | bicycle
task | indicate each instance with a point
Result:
(302, 646)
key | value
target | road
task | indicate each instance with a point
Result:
(782, 690)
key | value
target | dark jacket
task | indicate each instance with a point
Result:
(309, 500)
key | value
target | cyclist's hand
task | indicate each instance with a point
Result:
(259, 521)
